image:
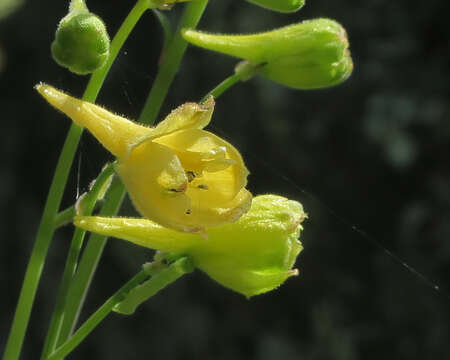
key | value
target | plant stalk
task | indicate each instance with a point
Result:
(87, 203)
(47, 225)
(159, 281)
(171, 62)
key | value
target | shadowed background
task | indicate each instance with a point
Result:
(373, 152)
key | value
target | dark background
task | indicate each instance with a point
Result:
(373, 152)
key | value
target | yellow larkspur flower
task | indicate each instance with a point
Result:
(177, 174)
(251, 256)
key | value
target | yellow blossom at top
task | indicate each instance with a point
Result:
(176, 173)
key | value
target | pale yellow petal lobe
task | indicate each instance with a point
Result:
(186, 116)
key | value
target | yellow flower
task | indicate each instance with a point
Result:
(251, 256)
(177, 174)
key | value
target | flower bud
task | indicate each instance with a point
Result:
(81, 41)
(309, 55)
(284, 6)
(251, 256)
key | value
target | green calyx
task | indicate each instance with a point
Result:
(256, 254)
(250, 256)
(81, 41)
(284, 6)
(308, 55)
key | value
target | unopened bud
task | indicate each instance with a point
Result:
(81, 41)
(308, 55)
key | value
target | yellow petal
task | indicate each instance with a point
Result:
(114, 132)
(159, 188)
(218, 168)
(186, 116)
(207, 216)
(156, 182)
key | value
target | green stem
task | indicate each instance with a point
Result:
(97, 317)
(222, 87)
(39, 252)
(116, 44)
(171, 62)
(96, 244)
(158, 282)
(165, 24)
(161, 277)
(88, 264)
(78, 5)
(87, 205)
(46, 227)
(64, 217)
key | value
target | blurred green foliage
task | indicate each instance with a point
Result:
(7, 7)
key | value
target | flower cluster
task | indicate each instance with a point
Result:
(189, 184)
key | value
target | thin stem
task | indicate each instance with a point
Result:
(78, 5)
(96, 244)
(39, 252)
(64, 217)
(222, 87)
(163, 278)
(97, 317)
(88, 264)
(116, 44)
(165, 24)
(46, 227)
(87, 205)
(171, 62)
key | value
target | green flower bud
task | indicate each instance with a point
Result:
(251, 256)
(308, 55)
(285, 6)
(81, 41)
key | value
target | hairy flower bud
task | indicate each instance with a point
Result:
(285, 6)
(251, 256)
(309, 55)
(81, 41)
